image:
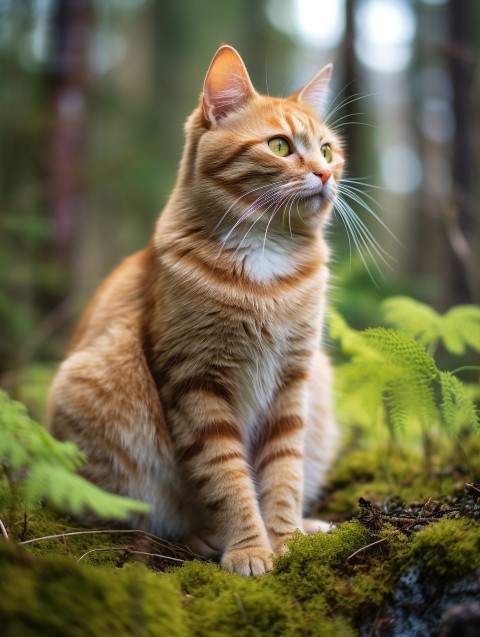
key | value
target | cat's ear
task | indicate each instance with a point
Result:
(316, 93)
(227, 85)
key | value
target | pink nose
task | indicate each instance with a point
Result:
(324, 175)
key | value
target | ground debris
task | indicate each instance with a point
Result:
(413, 516)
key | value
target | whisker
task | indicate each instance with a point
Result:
(272, 216)
(339, 119)
(353, 124)
(298, 210)
(366, 233)
(256, 221)
(245, 195)
(356, 238)
(335, 210)
(258, 203)
(289, 217)
(348, 189)
(345, 102)
(290, 199)
(351, 195)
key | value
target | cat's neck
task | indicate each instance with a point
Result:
(274, 246)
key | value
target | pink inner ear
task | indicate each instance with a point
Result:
(316, 93)
(227, 85)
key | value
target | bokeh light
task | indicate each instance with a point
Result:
(386, 30)
(401, 169)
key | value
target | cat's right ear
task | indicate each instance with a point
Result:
(227, 85)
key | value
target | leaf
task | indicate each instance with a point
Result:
(457, 408)
(70, 492)
(47, 467)
(416, 319)
(460, 327)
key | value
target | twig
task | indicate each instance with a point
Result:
(4, 530)
(472, 487)
(419, 520)
(373, 628)
(130, 551)
(150, 536)
(241, 610)
(50, 537)
(364, 548)
(24, 530)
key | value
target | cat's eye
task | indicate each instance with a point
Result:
(326, 152)
(279, 146)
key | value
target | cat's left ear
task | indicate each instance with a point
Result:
(227, 85)
(316, 93)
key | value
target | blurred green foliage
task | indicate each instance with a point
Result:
(38, 466)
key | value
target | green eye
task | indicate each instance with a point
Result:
(279, 146)
(327, 152)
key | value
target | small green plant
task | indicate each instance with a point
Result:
(390, 377)
(457, 329)
(38, 466)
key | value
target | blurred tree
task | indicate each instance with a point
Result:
(68, 72)
(460, 222)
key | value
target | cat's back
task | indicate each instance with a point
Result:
(106, 360)
(118, 303)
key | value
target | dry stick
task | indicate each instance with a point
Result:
(396, 532)
(392, 518)
(4, 530)
(472, 487)
(154, 538)
(127, 550)
(364, 548)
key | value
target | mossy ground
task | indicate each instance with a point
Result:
(320, 588)
(316, 589)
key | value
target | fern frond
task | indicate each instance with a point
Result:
(416, 319)
(350, 340)
(360, 395)
(457, 408)
(23, 441)
(458, 328)
(76, 494)
(387, 368)
(401, 349)
(48, 466)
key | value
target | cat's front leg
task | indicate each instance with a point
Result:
(279, 468)
(208, 444)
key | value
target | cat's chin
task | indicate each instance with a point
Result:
(316, 204)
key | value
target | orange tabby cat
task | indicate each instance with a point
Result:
(195, 380)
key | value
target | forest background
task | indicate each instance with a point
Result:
(93, 97)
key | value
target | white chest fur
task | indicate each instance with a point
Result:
(265, 259)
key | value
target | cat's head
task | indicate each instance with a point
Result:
(262, 161)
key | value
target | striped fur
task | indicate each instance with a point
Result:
(194, 380)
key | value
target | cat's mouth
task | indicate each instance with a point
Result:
(318, 199)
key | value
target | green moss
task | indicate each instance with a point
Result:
(315, 590)
(308, 568)
(390, 473)
(59, 597)
(447, 549)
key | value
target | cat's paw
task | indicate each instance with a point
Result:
(280, 547)
(251, 561)
(312, 527)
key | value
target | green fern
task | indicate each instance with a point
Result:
(458, 328)
(47, 467)
(457, 408)
(390, 373)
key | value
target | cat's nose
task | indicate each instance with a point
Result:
(324, 175)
